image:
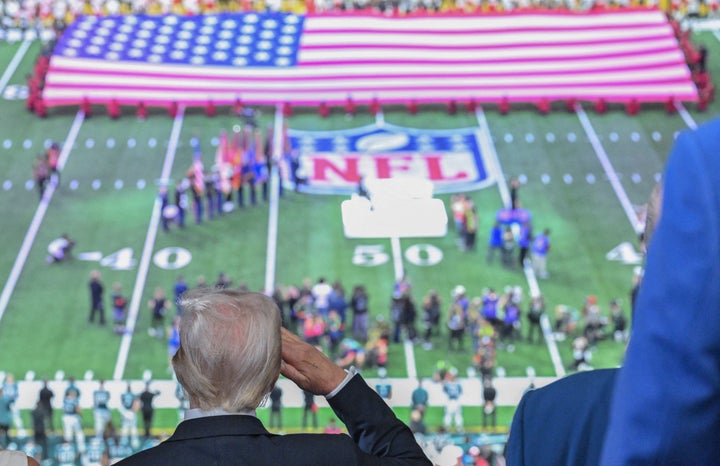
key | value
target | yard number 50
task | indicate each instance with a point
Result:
(370, 255)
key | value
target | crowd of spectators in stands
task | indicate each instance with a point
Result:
(39, 15)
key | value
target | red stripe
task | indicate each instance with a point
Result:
(440, 61)
(488, 31)
(371, 87)
(335, 77)
(440, 47)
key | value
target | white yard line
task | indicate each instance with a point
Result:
(410, 365)
(717, 35)
(609, 170)
(14, 63)
(38, 217)
(397, 258)
(685, 115)
(271, 255)
(147, 251)
(488, 147)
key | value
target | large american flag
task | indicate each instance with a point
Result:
(270, 58)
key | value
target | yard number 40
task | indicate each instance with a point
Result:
(171, 258)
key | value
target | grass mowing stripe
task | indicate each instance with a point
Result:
(147, 251)
(609, 170)
(685, 115)
(38, 217)
(270, 257)
(487, 147)
(14, 64)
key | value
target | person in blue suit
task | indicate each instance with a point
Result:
(666, 404)
(565, 422)
(232, 351)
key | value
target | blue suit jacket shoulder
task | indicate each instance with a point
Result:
(563, 423)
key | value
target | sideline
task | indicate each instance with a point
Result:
(147, 251)
(609, 170)
(487, 147)
(14, 63)
(38, 217)
(271, 254)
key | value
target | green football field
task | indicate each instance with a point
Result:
(584, 177)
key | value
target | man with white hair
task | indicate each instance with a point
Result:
(232, 352)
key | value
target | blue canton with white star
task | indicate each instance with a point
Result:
(227, 40)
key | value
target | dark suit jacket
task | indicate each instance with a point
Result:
(378, 438)
(666, 407)
(563, 423)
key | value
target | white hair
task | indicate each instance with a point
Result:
(229, 355)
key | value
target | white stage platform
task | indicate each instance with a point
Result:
(397, 208)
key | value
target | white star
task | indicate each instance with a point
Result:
(97, 40)
(113, 56)
(144, 34)
(222, 45)
(185, 35)
(130, 20)
(267, 34)
(197, 60)
(220, 56)
(154, 58)
(93, 50)
(269, 24)
(177, 55)
(181, 45)
(162, 39)
(70, 52)
(139, 43)
(289, 29)
(75, 43)
(210, 19)
(292, 19)
(287, 40)
(227, 35)
(262, 56)
(80, 34)
(242, 50)
(248, 29)
(188, 26)
(240, 61)
(103, 32)
(205, 40)
(200, 50)
(229, 24)
(245, 40)
(264, 45)
(285, 50)
(170, 20)
(116, 47)
(121, 37)
(147, 24)
(251, 18)
(166, 30)
(106, 23)
(159, 49)
(135, 53)
(207, 30)
(282, 61)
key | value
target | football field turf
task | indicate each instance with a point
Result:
(584, 176)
